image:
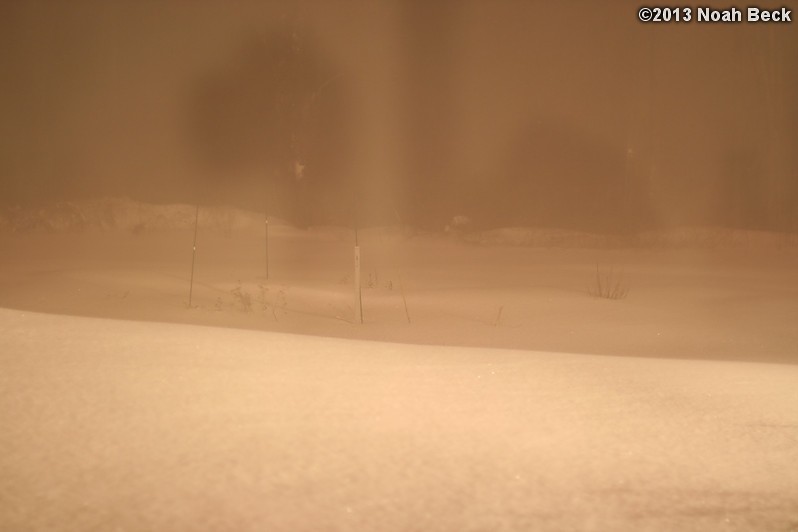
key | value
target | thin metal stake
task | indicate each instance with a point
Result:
(267, 247)
(193, 258)
(358, 291)
(402, 289)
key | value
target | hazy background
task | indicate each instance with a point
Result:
(510, 112)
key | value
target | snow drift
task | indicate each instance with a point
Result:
(145, 426)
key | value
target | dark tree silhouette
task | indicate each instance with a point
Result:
(743, 197)
(559, 176)
(270, 125)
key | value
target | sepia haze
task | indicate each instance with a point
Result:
(570, 115)
(569, 301)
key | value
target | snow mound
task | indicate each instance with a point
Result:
(716, 237)
(683, 237)
(108, 214)
(532, 237)
(127, 215)
(113, 425)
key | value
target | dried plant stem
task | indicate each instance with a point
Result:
(404, 299)
(498, 316)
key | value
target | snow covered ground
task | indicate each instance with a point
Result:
(121, 425)
(509, 398)
(695, 294)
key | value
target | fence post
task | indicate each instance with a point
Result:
(358, 294)
(193, 258)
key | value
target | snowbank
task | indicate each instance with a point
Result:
(682, 237)
(135, 217)
(126, 215)
(112, 425)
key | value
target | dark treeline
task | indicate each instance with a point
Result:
(571, 116)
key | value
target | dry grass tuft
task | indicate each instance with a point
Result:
(609, 284)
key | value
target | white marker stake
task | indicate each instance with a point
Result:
(267, 247)
(358, 296)
(193, 257)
